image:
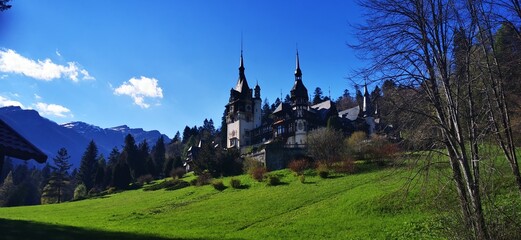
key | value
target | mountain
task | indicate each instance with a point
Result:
(115, 136)
(49, 136)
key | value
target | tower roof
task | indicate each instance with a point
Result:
(242, 84)
(298, 72)
(298, 90)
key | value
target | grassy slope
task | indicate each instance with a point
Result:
(343, 207)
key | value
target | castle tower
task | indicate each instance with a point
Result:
(300, 106)
(257, 112)
(367, 110)
(241, 111)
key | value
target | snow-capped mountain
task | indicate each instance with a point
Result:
(49, 136)
(115, 136)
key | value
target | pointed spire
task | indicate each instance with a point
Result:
(241, 63)
(242, 84)
(299, 91)
(367, 107)
(298, 72)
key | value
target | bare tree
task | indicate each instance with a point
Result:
(412, 42)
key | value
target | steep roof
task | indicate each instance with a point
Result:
(298, 90)
(351, 113)
(14, 145)
(242, 84)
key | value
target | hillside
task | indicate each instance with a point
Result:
(367, 205)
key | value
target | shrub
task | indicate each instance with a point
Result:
(302, 178)
(235, 183)
(94, 191)
(323, 171)
(193, 182)
(249, 164)
(145, 179)
(258, 173)
(273, 180)
(111, 190)
(80, 192)
(178, 173)
(345, 166)
(204, 178)
(298, 166)
(218, 185)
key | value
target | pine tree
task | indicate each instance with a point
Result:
(317, 96)
(177, 137)
(144, 156)
(56, 190)
(131, 157)
(158, 156)
(7, 190)
(121, 174)
(88, 166)
(8, 167)
(99, 179)
(186, 134)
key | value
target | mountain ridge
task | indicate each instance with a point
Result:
(50, 136)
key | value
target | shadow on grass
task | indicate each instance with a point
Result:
(18, 229)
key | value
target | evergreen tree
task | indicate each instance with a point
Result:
(265, 111)
(57, 190)
(177, 137)
(8, 167)
(20, 173)
(275, 104)
(99, 179)
(186, 134)
(112, 161)
(121, 177)
(317, 96)
(88, 166)
(158, 156)
(144, 159)
(287, 99)
(131, 157)
(7, 190)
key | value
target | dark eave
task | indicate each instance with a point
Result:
(14, 145)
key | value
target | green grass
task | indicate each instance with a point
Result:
(366, 205)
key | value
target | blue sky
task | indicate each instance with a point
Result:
(166, 64)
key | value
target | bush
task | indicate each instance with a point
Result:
(218, 185)
(80, 192)
(235, 183)
(299, 166)
(203, 179)
(273, 180)
(323, 171)
(302, 178)
(345, 166)
(258, 173)
(249, 164)
(178, 173)
(193, 182)
(94, 191)
(323, 174)
(145, 179)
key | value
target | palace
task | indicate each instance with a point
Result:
(290, 122)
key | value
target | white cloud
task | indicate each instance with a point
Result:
(4, 76)
(139, 89)
(58, 53)
(5, 102)
(12, 62)
(52, 110)
(37, 97)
